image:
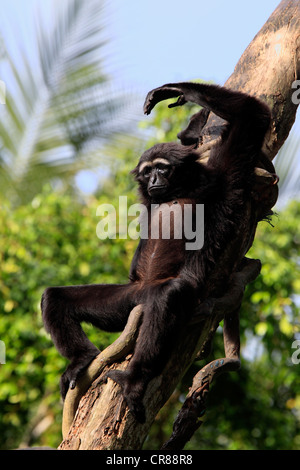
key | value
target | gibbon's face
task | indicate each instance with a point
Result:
(156, 176)
(165, 170)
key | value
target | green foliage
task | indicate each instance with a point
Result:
(164, 125)
(51, 241)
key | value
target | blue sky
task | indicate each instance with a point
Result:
(157, 41)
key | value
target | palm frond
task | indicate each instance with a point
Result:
(52, 114)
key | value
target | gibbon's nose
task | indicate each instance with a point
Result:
(153, 178)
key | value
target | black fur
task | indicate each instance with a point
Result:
(165, 278)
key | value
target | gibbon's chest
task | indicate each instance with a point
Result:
(169, 226)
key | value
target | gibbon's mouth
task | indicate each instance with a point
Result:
(157, 190)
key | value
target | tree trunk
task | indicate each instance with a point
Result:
(267, 69)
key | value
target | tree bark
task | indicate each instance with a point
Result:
(267, 69)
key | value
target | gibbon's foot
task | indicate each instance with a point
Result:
(132, 392)
(188, 138)
(75, 369)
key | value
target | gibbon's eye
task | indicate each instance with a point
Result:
(163, 169)
(146, 171)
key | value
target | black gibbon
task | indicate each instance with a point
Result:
(165, 278)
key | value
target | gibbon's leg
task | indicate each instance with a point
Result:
(64, 308)
(231, 361)
(192, 134)
(167, 308)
